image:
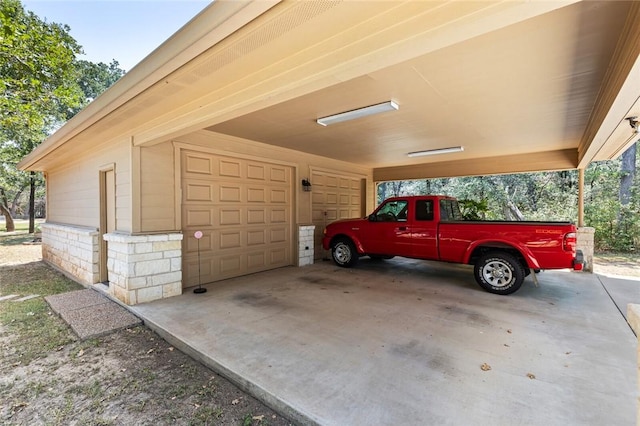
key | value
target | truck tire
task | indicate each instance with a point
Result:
(499, 273)
(344, 253)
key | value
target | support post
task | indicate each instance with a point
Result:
(580, 198)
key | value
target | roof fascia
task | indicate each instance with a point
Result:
(608, 134)
(213, 24)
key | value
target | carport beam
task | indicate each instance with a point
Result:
(580, 198)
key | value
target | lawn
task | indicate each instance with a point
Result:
(49, 377)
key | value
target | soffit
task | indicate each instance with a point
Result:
(527, 88)
(504, 79)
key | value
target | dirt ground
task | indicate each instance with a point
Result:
(130, 377)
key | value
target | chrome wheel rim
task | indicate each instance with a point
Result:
(497, 273)
(342, 253)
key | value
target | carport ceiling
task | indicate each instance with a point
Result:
(526, 90)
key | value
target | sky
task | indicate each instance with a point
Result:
(124, 30)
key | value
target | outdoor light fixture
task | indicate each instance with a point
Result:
(436, 151)
(306, 185)
(358, 113)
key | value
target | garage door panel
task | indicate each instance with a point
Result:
(334, 197)
(256, 237)
(280, 174)
(279, 196)
(196, 218)
(243, 207)
(278, 215)
(256, 216)
(230, 168)
(198, 164)
(199, 192)
(230, 194)
(230, 239)
(229, 217)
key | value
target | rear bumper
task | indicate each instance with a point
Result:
(578, 261)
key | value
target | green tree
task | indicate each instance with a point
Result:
(42, 85)
(38, 87)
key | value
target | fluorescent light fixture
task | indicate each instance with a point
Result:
(436, 151)
(358, 113)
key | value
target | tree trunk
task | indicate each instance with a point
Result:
(32, 202)
(627, 175)
(7, 217)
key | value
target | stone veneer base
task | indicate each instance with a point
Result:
(74, 250)
(143, 268)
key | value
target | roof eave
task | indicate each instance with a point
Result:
(213, 24)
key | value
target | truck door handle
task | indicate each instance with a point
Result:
(403, 228)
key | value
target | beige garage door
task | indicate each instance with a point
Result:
(242, 207)
(334, 197)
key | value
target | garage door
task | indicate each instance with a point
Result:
(243, 208)
(334, 197)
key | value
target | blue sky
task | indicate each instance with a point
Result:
(124, 30)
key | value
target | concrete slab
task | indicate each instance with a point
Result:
(623, 290)
(90, 314)
(403, 342)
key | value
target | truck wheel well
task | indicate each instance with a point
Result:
(482, 250)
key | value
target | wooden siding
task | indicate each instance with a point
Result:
(157, 189)
(74, 188)
(159, 169)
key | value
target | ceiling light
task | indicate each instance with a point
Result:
(436, 151)
(358, 113)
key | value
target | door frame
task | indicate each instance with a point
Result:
(107, 215)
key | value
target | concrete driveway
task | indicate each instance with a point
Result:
(403, 342)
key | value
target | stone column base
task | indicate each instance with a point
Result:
(143, 268)
(585, 237)
(305, 244)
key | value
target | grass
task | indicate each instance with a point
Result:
(39, 330)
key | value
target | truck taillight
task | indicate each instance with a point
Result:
(569, 243)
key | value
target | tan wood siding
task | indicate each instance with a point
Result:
(74, 188)
(334, 197)
(157, 194)
(244, 209)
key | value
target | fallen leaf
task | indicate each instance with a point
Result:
(30, 314)
(150, 350)
(531, 376)
(485, 367)
(235, 402)
(509, 331)
(507, 345)
(196, 405)
(80, 352)
(59, 348)
(171, 349)
(258, 418)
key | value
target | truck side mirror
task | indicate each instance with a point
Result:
(373, 218)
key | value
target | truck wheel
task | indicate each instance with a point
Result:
(344, 253)
(499, 273)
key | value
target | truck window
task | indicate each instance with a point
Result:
(449, 210)
(393, 211)
(424, 210)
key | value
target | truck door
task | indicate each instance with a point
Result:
(424, 231)
(388, 231)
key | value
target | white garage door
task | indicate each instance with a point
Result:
(334, 197)
(243, 208)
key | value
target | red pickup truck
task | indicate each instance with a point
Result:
(432, 228)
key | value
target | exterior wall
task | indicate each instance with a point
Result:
(585, 236)
(74, 189)
(160, 181)
(143, 268)
(73, 250)
(305, 244)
